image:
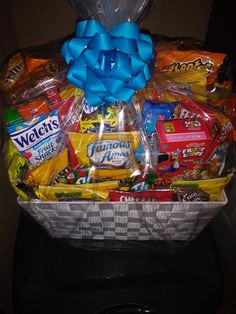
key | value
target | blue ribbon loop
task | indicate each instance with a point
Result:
(108, 65)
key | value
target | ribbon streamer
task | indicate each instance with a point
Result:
(108, 65)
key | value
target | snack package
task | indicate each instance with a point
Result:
(24, 77)
(171, 86)
(211, 186)
(64, 192)
(183, 147)
(37, 139)
(109, 151)
(196, 141)
(146, 196)
(228, 107)
(178, 57)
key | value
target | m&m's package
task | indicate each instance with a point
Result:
(110, 116)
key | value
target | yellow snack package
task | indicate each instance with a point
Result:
(116, 174)
(214, 187)
(101, 186)
(219, 91)
(172, 85)
(108, 151)
(71, 91)
(70, 193)
(45, 173)
(16, 164)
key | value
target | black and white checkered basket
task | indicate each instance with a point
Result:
(124, 221)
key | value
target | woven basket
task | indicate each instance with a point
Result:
(124, 221)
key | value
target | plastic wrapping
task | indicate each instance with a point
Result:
(185, 56)
(143, 167)
(112, 12)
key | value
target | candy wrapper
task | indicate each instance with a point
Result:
(112, 118)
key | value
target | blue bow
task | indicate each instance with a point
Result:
(108, 65)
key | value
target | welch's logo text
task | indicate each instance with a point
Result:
(28, 137)
(111, 153)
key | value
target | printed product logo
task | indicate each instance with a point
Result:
(39, 141)
(14, 73)
(194, 65)
(141, 186)
(192, 124)
(186, 114)
(193, 152)
(183, 88)
(87, 109)
(124, 198)
(113, 153)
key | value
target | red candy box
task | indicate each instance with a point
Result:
(142, 196)
(183, 146)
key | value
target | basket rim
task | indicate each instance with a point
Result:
(223, 201)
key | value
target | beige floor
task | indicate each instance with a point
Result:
(9, 217)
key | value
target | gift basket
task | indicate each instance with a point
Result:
(115, 136)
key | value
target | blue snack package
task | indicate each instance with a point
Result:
(153, 112)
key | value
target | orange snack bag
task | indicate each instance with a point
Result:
(33, 109)
(189, 60)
